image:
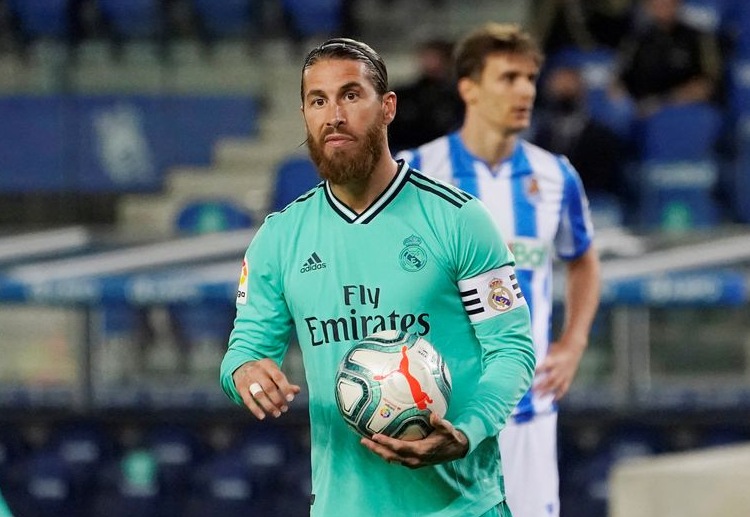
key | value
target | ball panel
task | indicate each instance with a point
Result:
(350, 393)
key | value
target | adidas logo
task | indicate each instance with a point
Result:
(312, 264)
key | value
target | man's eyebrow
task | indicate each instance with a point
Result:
(345, 87)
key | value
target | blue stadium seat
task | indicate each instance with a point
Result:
(203, 329)
(266, 450)
(49, 488)
(43, 18)
(311, 18)
(740, 181)
(679, 133)
(606, 210)
(294, 176)
(13, 451)
(212, 215)
(678, 170)
(177, 451)
(739, 85)
(227, 18)
(84, 447)
(129, 486)
(294, 498)
(133, 19)
(223, 486)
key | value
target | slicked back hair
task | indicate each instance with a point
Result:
(345, 48)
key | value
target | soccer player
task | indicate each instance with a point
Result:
(538, 201)
(379, 246)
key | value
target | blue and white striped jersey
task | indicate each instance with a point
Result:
(538, 201)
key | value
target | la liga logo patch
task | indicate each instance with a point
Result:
(242, 289)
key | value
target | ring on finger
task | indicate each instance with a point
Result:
(255, 389)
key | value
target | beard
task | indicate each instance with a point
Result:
(345, 166)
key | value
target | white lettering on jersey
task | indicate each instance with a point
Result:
(242, 289)
(491, 293)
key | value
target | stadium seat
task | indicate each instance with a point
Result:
(177, 451)
(84, 447)
(43, 18)
(212, 215)
(227, 18)
(678, 168)
(48, 487)
(294, 176)
(314, 18)
(739, 86)
(13, 450)
(679, 133)
(134, 19)
(266, 450)
(294, 499)
(606, 210)
(203, 329)
(223, 486)
(129, 486)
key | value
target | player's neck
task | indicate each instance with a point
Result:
(491, 145)
(359, 195)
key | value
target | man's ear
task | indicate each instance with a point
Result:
(389, 107)
(467, 90)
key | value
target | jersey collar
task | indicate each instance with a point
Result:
(519, 163)
(377, 205)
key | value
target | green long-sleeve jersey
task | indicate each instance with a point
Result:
(425, 258)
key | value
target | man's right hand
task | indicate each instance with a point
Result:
(264, 388)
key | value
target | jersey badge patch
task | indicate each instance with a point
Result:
(242, 289)
(533, 194)
(413, 257)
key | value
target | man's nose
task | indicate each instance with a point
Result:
(337, 116)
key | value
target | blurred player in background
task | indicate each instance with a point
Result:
(538, 202)
(358, 229)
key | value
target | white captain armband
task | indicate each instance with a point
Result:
(491, 293)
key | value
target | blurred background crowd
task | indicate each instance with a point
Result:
(142, 141)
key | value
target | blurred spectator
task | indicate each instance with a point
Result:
(564, 126)
(665, 61)
(430, 106)
(558, 24)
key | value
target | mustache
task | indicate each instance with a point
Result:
(335, 131)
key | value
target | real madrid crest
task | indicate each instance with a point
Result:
(412, 257)
(500, 297)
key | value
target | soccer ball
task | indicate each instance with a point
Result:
(390, 382)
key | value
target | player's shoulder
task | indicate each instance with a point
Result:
(545, 162)
(437, 191)
(299, 205)
(298, 209)
(416, 155)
